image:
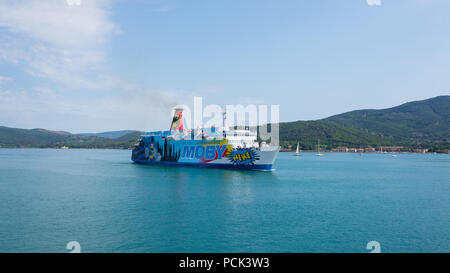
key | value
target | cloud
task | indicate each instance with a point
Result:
(53, 40)
(65, 47)
(57, 23)
(45, 108)
(165, 8)
(5, 79)
(373, 2)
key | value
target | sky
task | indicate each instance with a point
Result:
(102, 65)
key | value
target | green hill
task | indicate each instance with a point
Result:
(13, 137)
(422, 121)
(111, 134)
(419, 124)
(41, 138)
(330, 134)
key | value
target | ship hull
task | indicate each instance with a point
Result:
(265, 167)
(155, 150)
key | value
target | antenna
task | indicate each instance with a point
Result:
(224, 120)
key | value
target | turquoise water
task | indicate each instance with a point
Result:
(335, 203)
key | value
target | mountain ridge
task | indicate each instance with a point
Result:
(109, 134)
(416, 124)
(427, 119)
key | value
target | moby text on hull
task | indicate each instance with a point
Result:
(206, 148)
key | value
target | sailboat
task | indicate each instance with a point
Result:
(318, 148)
(297, 152)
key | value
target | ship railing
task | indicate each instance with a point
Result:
(195, 134)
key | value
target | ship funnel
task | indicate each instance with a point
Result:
(178, 119)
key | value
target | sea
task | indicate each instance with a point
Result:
(339, 202)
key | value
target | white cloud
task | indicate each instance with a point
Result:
(373, 2)
(53, 40)
(73, 2)
(57, 23)
(67, 45)
(45, 108)
(5, 79)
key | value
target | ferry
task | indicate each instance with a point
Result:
(212, 147)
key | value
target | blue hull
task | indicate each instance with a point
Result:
(162, 151)
(265, 167)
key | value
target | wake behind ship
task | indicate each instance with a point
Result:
(206, 147)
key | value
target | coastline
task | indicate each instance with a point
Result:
(281, 151)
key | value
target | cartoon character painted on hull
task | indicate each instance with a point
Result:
(243, 156)
(138, 152)
(161, 149)
(144, 151)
